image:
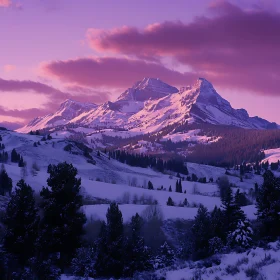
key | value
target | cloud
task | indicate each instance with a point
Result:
(5, 3)
(11, 125)
(112, 72)
(9, 68)
(54, 95)
(10, 3)
(232, 47)
(26, 85)
(25, 114)
(88, 94)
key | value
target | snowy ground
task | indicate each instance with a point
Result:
(112, 180)
(272, 155)
(256, 263)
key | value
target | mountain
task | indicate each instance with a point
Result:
(150, 106)
(68, 110)
(148, 88)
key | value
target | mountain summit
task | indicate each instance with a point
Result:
(151, 105)
(148, 88)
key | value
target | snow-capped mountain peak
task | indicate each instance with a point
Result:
(151, 105)
(148, 88)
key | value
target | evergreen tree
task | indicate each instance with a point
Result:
(20, 162)
(180, 188)
(240, 199)
(62, 223)
(6, 183)
(170, 202)
(229, 212)
(110, 259)
(102, 251)
(217, 224)
(170, 189)
(150, 185)
(21, 222)
(268, 205)
(165, 256)
(84, 261)
(15, 157)
(138, 255)
(243, 234)
(177, 186)
(201, 233)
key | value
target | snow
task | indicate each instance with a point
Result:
(118, 180)
(265, 262)
(272, 155)
(149, 106)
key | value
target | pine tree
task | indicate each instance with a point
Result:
(243, 234)
(180, 188)
(150, 185)
(110, 259)
(229, 212)
(6, 183)
(138, 256)
(268, 205)
(177, 186)
(170, 189)
(21, 222)
(84, 261)
(240, 198)
(217, 224)
(102, 251)
(201, 233)
(165, 256)
(62, 224)
(170, 202)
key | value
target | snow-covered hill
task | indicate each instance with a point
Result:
(110, 180)
(151, 105)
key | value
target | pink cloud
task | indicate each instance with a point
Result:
(112, 72)
(25, 86)
(11, 125)
(56, 96)
(233, 48)
(9, 68)
(5, 3)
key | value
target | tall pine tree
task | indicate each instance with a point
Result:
(110, 259)
(6, 183)
(138, 256)
(62, 223)
(268, 205)
(21, 222)
(201, 233)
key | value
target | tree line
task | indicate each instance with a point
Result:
(142, 160)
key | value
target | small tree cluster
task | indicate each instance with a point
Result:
(178, 187)
(6, 183)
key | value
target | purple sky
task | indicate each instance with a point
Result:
(91, 51)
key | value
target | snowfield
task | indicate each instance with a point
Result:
(113, 181)
(272, 155)
(256, 263)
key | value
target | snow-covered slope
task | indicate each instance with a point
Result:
(68, 110)
(111, 180)
(149, 106)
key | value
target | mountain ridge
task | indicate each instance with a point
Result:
(149, 106)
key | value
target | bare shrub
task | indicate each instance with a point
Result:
(125, 199)
(195, 189)
(152, 212)
(134, 182)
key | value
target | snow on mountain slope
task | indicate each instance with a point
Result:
(272, 155)
(68, 110)
(112, 180)
(151, 105)
(148, 88)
